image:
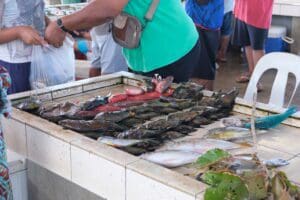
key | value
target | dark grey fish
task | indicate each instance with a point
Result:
(59, 111)
(95, 102)
(91, 126)
(115, 116)
(30, 105)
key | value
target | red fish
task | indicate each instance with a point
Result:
(164, 84)
(134, 91)
(117, 98)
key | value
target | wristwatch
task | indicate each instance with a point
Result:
(61, 26)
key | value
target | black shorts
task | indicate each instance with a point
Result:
(209, 40)
(226, 28)
(247, 35)
(181, 69)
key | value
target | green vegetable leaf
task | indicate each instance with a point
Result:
(224, 185)
(283, 188)
(211, 157)
(257, 184)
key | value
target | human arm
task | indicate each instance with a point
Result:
(25, 33)
(95, 13)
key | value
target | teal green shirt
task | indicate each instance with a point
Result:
(167, 38)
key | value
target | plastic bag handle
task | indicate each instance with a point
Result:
(69, 41)
(288, 40)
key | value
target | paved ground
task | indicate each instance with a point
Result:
(228, 72)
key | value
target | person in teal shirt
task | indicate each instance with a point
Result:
(169, 44)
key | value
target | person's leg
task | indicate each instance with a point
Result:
(223, 48)
(226, 31)
(257, 55)
(241, 38)
(249, 55)
(205, 73)
(258, 37)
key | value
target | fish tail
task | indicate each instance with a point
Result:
(292, 110)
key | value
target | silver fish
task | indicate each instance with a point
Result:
(276, 162)
(231, 122)
(200, 145)
(228, 133)
(118, 142)
(171, 158)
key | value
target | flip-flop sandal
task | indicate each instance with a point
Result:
(243, 78)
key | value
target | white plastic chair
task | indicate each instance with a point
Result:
(284, 63)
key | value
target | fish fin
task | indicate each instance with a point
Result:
(292, 110)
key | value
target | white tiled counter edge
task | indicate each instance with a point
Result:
(103, 170)
(287, 8)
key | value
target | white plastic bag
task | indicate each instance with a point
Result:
(52, 66)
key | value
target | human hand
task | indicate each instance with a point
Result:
(54, 35)
(30, 36)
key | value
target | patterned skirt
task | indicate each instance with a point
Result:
(5, 185)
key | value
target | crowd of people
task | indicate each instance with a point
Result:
(186, 45)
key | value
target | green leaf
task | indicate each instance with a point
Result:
(225, 186)
(283, 188)
(257, 184)
(211, 157)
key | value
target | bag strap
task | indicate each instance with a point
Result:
(152, 9)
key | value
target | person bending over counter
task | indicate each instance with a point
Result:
(169, 42)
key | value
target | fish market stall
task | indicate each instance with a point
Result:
(68, 135)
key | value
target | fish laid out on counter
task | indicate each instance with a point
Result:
(228, 133)
(275, 162)
(59, 111)
(134, 91)
(118, 142)
(136, 147)
(95, 102)
(157, 127)
(188, 90)
(221, 99)
(199, 145)
(232, 122)
(159, 87)
(162, 85)
(142, 118)
(91, 126)
(115, 116)
(171, 158)
(273, 120)
(30, 105)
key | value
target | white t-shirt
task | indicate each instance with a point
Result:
(228, 5)
(107, 55)
(20, 13)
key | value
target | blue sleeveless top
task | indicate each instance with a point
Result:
(208, 16)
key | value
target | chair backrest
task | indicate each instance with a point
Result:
(284, 63)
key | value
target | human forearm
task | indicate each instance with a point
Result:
(95, 13)
(8, 35)
(27, 34)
